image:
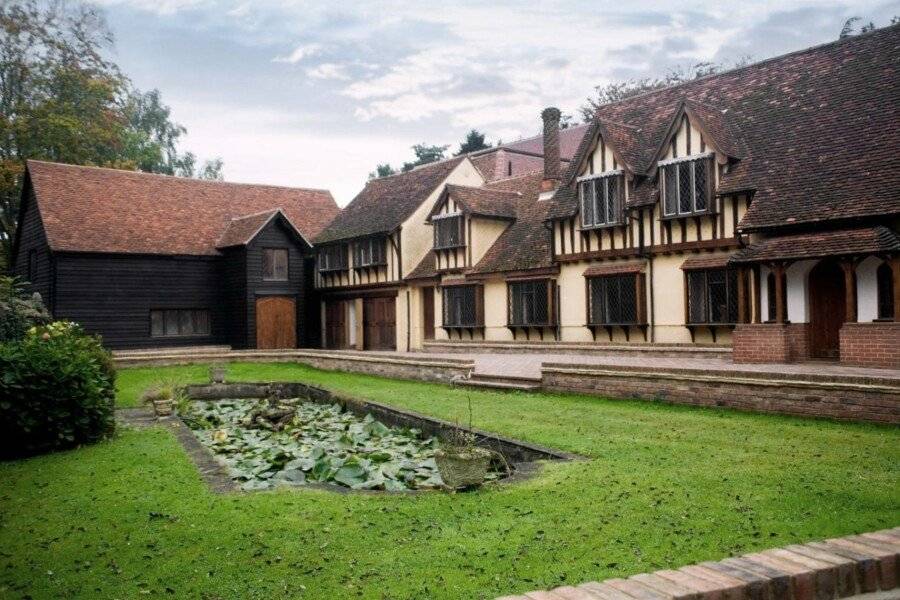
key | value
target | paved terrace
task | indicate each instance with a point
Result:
(528, 365)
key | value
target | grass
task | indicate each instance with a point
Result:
(664, 486)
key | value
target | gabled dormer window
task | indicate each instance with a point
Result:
(370, 252)
(686, 185)
(602, 198)
(333, 258)
(448, 231)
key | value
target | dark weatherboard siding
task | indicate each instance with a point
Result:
(112, 295)
(32, 239)
(277, 235)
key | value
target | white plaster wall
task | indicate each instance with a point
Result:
(797, 288)
(867, 289)
(495, 311)
(764, 293)
(416, 238)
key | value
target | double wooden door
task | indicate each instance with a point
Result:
(276, 322)
(827, 308)
(379, 323)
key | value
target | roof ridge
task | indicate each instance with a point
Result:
(256, 214)
(177, 177)
(846, 40)
(481, 187)
(519, 176)
(418, 168)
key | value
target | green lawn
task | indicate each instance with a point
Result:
(664, 486)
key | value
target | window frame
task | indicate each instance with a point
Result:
(477, 302)
(438, 220)
(731, 300)
(619, 200)
(548, 293)
(675, 165)
(620, 278)
(275, 251)
(178, 314)
(324, 263)
(370, 252)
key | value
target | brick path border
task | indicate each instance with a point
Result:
(836, 568)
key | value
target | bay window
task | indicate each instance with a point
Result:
(712, 296)
(462, 306)
(530, 303)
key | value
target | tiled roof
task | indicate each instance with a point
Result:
(569, 140)
(817, 130)
(705, 261)
(426, 268)
(93, 209)
(616, 268)
(386, 202)
(525, 244)
(866, 240)
(485, 201)
(242, 230)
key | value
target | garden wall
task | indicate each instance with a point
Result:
(877, 402)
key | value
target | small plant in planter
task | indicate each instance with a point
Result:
(460, 461)
(163, 397)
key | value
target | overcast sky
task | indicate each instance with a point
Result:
(316, 94)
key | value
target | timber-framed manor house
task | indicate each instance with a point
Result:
(757, 209)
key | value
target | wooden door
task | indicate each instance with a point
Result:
(428, 311)
(379, 324)
(336, 324)
(827, 305)
(276, 322)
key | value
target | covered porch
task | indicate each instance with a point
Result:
(827, 296)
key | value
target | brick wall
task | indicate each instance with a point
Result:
(871, 344)
(770, 343)
(877, 402)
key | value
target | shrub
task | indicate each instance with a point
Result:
(57, 390)
(19, 311)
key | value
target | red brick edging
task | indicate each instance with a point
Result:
(835, 568)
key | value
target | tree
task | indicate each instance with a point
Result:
(382, 170)
(849, 27)
(425, 154)
(474, 141)
(615, 91)
(61, 100)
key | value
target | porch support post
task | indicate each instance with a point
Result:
(756, 286)
(849, 267)
(895, 269)
(780, 304)
(742, 295)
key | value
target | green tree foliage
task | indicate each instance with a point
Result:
(474, 141)
(382, 170)
(850, 29)
(425, 154)
(615, 91)
(62, 100)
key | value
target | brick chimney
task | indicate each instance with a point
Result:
(551, 118)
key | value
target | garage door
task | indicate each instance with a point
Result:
(379, 324)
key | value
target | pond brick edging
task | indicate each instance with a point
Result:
(835, 568)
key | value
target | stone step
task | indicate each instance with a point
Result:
(497, 382)
(582, 348)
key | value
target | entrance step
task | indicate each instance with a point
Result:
(502, 382)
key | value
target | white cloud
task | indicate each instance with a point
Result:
(299, 53)
(328, 71)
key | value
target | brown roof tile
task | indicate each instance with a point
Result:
(525, 244)
(710, 261)
(616, 268)
(865, 240)
(242, 230)
(386, 202)
(817, 130)
(485, 201)
(425, 269)
(93, 209)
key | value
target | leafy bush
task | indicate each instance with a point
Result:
(57, 390)
(19, 311)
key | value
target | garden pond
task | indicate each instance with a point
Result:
(292, 441)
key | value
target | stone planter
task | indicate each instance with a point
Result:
(163, 408)
(463, 467)
(217, 374)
